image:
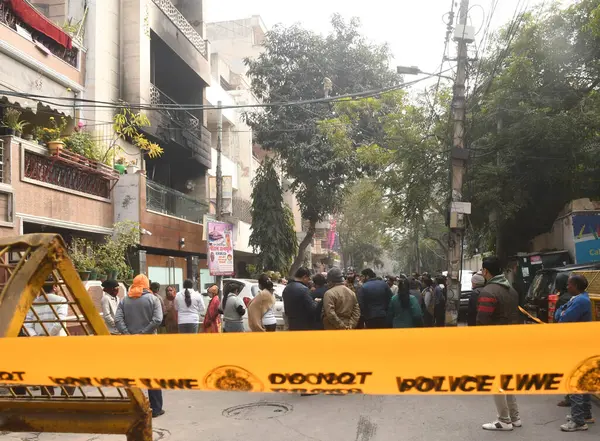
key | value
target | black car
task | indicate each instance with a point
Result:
(465, 296)
(544, 284)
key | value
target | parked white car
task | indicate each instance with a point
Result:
(278, 308)
(248, 290)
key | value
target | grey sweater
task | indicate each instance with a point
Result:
(141, 315)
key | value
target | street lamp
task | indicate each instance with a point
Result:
(414, 70)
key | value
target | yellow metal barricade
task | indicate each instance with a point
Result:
(27, 265)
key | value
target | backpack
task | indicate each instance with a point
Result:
(439, 296)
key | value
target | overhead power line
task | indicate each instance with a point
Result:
(72, 103)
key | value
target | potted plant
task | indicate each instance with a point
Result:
(12, 123)
(52, 135)
(38, 135)
(132, 167)
(81, 253)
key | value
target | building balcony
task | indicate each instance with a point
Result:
(170, 220)
(178, 125)
(51, 52)
(165, 200)
(68, 171)
(66, 191)
(172, 27)
(177, 18)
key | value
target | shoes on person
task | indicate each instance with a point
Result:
(157, 414)
(589, 420)
(498, 425)
(572, 426)
(517, 423)
(564, 403)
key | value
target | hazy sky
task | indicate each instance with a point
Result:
(414, 28)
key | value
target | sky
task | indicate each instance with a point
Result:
(414, 29)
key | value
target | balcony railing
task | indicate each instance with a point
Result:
(184, 118)
(174, 203)
(171, 11)
(8, 18)
(64, 173)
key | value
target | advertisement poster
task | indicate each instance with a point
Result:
(220, 249)
(586, 233)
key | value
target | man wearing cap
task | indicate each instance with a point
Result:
(340, 306)
(477, 284)
(110, 303)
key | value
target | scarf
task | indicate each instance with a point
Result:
(140, 284)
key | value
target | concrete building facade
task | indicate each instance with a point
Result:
(148, 53)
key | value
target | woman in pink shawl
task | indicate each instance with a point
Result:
(212, 319)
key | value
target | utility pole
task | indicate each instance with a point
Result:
(459, 157)
(219, 205)
(219, 171)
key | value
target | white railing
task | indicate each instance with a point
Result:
(177, 18)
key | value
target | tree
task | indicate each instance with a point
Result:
(362, 224)
(534, 126)
(272, 221)
(404, 144)
(295, 65)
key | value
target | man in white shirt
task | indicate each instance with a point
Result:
(110, 303)
(50, 325)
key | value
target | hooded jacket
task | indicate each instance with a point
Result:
(498, 303)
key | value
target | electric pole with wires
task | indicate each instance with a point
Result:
(463, 34)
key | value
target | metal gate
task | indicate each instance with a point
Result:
(42, 295)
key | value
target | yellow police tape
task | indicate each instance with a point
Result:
(560, 358)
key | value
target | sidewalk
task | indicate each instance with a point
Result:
(202, 416)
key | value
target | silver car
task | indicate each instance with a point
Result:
(248, 290)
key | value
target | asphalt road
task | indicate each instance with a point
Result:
(208, 416)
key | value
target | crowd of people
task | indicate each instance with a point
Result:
(405, 302)
(334, 301)
(396, 302)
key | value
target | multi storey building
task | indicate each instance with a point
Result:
(152, 54)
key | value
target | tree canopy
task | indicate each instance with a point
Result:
(534, 125)
(295, 65)
(403, 149)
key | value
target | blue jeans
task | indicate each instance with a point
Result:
(156, 400)
(581, 408)
(188, 328)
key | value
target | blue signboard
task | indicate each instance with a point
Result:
(586, 233)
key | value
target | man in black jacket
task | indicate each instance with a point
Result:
(321, 288)
(299, 306)
(498, 304)
(374, 299)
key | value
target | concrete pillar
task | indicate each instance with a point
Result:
(135, 28)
